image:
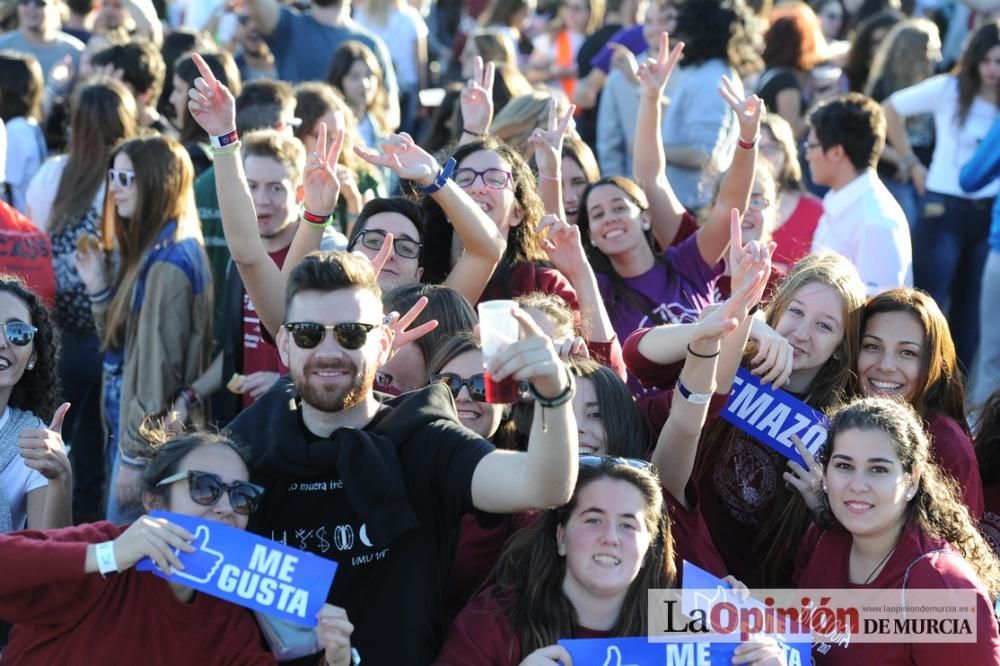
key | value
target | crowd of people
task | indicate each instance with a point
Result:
(242, 246)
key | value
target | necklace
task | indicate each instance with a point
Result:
(879, 566)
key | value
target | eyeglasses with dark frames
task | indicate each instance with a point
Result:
(374, 239)
(495, 179)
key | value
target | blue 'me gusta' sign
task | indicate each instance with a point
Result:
(773, 416)
(641, 652)
(249, 570)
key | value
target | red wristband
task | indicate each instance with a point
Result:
(313, 218)
(747, 145)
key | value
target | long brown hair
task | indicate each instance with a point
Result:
(343, 59)
(941, 385)
(936, 508)
(103, 114)
(531, 569)
(164, 181)
(985, 38)
(780, 532)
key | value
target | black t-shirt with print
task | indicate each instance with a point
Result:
(394, 593)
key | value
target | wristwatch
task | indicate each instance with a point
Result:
(690, 396)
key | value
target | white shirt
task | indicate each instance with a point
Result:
(403, 28)
(17, 480)
(863, 222)
(41, 194)
(954, 144)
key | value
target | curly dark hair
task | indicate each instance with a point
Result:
(524, 243)
(718, 29)
(39, 390)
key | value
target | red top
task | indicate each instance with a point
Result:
(922, 564)
(481, 635)
(259, 351)
(989, 524)
(528, 277)
(692, 541)
(794, 237)
(64, 616)
(476, 555)
(26, 252)
(953, 451)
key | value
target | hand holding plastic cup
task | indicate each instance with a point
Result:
(498, 328)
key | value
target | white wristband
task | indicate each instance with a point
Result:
(106, 562)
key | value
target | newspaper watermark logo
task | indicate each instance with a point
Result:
(841, 616)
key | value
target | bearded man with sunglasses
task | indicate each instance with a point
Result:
(380, 486)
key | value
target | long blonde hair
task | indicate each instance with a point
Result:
(164, 181)
(936, 507)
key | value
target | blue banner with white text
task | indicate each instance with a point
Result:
(249, 570)
(773, 416)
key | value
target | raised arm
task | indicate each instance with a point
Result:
(214, 109)
(649, 162)
(476, 102)
(565, 250)
(734, 192)
(548, 144)
(505, 481)
(482, 241)
(677, 445)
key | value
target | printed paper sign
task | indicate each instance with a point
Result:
(772, 416)
(249, 570)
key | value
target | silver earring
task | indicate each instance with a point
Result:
(31, 366)
(562, 549)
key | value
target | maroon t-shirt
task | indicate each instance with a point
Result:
(989, 524)
(692, 542)
(481, 635)
(918, 562)
(953, 451)
(259, 352)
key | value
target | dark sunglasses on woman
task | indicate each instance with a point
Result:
(594, 460)
(206, 489)
(476, 385)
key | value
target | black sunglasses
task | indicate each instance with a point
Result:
(308, 334)
(18, 333)
(206, 489)
(476, 384)
(373, 239)
(596, 461)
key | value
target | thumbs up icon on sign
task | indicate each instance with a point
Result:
(614, 657)
(202, 564)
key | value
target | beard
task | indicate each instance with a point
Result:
(332, 398)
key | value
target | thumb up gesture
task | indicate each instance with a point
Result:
(43, 449)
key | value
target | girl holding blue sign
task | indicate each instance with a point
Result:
(582, 570)
(755, 520)
(900, 525)
(65, 589)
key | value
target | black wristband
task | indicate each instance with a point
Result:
(471, 133)
(694, 353)
(558, 400)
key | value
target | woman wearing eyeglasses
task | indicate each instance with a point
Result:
(65, 589)
(154, 312)
(35, 476)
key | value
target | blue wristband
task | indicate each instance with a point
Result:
(442, 178)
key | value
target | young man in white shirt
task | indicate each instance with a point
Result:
(861, 219)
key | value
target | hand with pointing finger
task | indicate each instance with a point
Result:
(43, 449)
(211, 104)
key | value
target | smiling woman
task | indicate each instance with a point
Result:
(907, 353)
(900, 526)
